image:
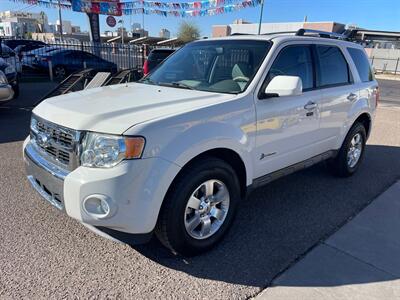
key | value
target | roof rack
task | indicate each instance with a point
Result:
(346, 35)
(279, 32)
(239, 33)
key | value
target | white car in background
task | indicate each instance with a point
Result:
(177, 152)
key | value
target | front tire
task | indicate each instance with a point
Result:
(199, 207)
(351, 153)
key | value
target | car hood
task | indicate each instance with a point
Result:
(114, 109)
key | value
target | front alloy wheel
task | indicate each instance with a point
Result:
(199, 207)
(206, 209)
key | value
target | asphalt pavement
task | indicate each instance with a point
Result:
(45, 254)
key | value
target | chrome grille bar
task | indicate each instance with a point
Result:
(58, 144)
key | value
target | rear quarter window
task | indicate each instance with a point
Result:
(362, 64)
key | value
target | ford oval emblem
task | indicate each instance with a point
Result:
(43, 140)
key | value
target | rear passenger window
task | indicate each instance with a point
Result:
(332, 67)
(362, 64)
(293, 61)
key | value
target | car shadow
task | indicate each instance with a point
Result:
(15, 115)
(283, 220)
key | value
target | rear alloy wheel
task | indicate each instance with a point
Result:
(351, 153)
(199, 207)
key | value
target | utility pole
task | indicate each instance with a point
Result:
(122, 30)
(261, 15)
(60, 18)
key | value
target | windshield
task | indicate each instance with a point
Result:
(224, 66)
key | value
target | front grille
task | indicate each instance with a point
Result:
(58, 142)
(57, 134)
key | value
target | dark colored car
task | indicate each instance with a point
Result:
(66, 61)
(12, 82)
(27, 44)
(156, 57)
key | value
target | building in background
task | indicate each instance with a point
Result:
(244, 27)
(76, 29)
(66, 26)
(165, 33)
(137, 31)
(22, 24)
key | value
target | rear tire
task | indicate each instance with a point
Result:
(199, 207)
(351, 153)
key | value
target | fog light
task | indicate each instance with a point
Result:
(98, 206)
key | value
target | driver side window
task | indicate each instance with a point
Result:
(293, 61)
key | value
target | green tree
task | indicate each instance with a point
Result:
(188, 31)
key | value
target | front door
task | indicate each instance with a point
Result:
(287, 127)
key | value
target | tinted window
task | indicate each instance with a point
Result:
(293, 61)
(333, 68)
(362, 64)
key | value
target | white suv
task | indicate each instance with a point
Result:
(178, 151)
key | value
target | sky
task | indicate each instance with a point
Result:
(369, 14)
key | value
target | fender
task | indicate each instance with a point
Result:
(183, 148)
(360, 107)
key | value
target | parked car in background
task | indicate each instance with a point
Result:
(28, 44)
(65, 61)
(10, 57)
(156, 57)
(9, 86)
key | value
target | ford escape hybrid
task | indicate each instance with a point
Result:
(175, 153)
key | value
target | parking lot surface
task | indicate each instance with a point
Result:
(45, 254)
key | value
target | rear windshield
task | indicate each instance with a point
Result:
(362, 64)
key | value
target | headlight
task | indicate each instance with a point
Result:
(106, 151)
(3, 78)
(34, 127)
(9, 69)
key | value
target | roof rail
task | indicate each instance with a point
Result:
(279, 32)
(324, 34)
(239, 33)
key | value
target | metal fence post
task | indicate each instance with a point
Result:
(51, 70)
(129, 57)
(397, 64)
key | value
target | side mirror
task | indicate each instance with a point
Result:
(283, 85)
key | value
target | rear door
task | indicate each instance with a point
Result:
(335, 80)
(367, 85)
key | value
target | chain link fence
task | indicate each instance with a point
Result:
(386, 65)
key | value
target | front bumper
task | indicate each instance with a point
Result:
(135, 190)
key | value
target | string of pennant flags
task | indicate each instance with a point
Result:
(198, 11)
(166, 9)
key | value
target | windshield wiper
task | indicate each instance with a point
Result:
(147, 80)
(177, 84)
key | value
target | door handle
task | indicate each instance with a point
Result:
(352, 97)
(310, 106)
